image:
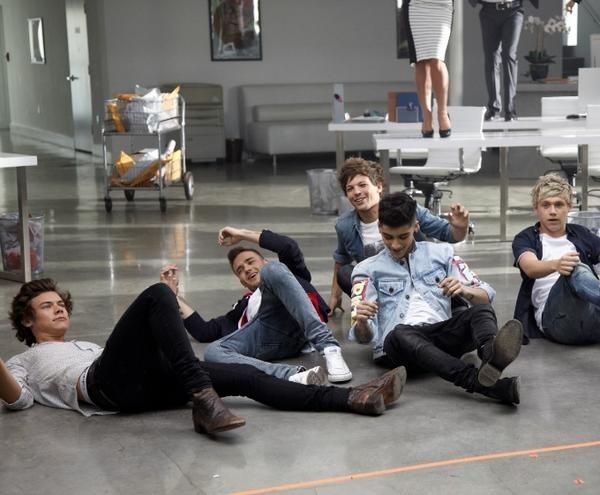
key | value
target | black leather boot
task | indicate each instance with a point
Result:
(502, 351)
(372, 397)
(210, 415)
(505, 390)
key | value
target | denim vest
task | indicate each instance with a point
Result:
(350, 246)
(388, 281)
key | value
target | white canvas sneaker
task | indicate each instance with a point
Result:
(337, 369)
(313, 376)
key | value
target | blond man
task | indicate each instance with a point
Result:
(559, 296)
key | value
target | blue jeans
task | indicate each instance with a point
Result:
(285, 321)
(572, 312)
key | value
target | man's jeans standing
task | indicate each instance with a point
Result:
(285, 322)
(572, 312)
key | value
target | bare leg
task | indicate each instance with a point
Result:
(439, 80)
(423, 82)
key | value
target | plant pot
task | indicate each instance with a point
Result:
(538, 72)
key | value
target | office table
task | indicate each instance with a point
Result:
(19, 162)
(523, 123)
(580, 136)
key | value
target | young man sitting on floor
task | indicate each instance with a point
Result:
(148, 364)
(401, 302)
(358, 232)
(559, 296)
(280, 316)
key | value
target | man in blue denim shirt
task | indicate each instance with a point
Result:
(401, 303)
(559, 296)
(357, 231)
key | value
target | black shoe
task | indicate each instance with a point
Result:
(509, 116)
(489, 114)
(500, 353)
(444, 133)
(506, 390)
(427, 134)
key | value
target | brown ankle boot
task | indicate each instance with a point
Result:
(372, 397)
(210, 415)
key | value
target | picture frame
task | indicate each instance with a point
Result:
(36, 40)
(235, 30)
(401, 34)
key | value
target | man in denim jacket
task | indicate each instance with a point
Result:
(401, 303)
(357, 232)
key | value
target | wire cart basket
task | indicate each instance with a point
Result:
(160, 116)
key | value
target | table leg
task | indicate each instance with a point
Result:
(503, 191)
(339, 151)
(585, 178)
(23, 227)
(384, 157)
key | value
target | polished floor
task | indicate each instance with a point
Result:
(436, 439)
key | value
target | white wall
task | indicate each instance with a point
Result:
(151, 42)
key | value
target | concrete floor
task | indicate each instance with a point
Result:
(436, 439)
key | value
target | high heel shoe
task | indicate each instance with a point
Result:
(427, 134)
(444, 133)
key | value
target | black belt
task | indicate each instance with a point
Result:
(504, 5)
(95, 392)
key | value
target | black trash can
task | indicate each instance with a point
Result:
(233, 150)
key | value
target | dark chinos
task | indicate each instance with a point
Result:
(148, 363)
(501, 25)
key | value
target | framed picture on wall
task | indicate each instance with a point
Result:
(401, 34)
(235, 30)
(36, 40)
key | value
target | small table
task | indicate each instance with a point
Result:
(581, 136)
(11, 160)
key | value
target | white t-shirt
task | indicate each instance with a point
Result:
(552, 248)
(252, 309)
(419, 312)
(371, 237)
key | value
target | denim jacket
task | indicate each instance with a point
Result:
(350, 247)
(388, 282)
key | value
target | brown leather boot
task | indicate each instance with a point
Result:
(210, 415)
(373, 397)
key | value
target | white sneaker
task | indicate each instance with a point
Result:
(313, 376)
(337, 369)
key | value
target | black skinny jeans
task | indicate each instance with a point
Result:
(148, 363)
(438, 347)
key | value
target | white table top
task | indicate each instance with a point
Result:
(492, 139)
(492, 125)
(10, 160)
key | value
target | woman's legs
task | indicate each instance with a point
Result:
(439, 81)
(423, 83)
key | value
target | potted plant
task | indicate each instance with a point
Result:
(539, 59)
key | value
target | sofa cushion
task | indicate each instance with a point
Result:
(291, 111)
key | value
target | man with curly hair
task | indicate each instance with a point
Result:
(148, 364)
(358, 232)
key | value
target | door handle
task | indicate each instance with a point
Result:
(72, 78)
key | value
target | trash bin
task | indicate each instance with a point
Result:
(589, 219)
(233, 150)
(323, 190)
(11, 248)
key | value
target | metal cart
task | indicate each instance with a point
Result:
(160, 119)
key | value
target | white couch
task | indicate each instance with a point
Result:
(279, 119)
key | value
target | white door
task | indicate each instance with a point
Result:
(79, 77)
(4, 106)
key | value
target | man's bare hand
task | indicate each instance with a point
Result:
(335, 302)
(169, 276)
(364, 310)
(458, 218)
(451, 287)
(566, 263)
(229, 236)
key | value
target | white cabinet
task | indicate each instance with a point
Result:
(204, 119)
